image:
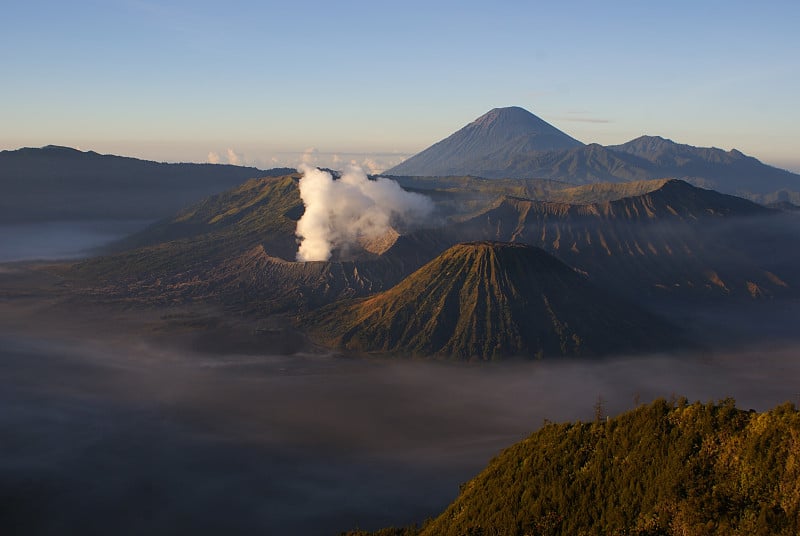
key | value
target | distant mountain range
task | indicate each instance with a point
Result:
(59, 183)
(55, 183)
(631, 247)
(493, 274)
(513, 143)
(663, 237)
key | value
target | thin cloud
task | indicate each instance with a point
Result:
(583, 119)
(310, 156)
(234, 158)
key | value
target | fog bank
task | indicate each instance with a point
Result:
(53, 240)
(137, 439)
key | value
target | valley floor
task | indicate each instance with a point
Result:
(129, 419)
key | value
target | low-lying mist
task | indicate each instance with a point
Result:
(132, 439)
(64, 239)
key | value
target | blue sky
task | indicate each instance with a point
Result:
(263, 83)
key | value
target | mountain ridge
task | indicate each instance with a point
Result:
(55, 183)
(668, 241)
(501, 155)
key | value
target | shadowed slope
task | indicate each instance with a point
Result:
(673, 239)
(727, 171)
(260, 212)
(501, 133)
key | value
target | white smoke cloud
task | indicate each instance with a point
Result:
(234, 158)
(212, 158)
(372, 166)
(310, 156)
(339, 212)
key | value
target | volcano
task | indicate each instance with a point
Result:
(489, 300)
(496, 136)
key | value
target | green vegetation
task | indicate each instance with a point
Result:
(668, 468)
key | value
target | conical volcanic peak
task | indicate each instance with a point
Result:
(498, 135)
(510, 123)
(488, 300)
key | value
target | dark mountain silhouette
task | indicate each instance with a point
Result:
(725, 171)
(494, 148)
(58, 183)
(499, 134)
(645, 158)
(489, 300)
(579, 165)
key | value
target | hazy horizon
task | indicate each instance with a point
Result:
(261, 84)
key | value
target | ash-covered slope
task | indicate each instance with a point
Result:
(662, 238)
(642, 240)
(488, 300)
(237, 248)
(501, 133)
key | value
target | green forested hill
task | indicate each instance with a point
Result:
(661, 469)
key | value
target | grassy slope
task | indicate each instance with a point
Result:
(259, 212)
(661, 469)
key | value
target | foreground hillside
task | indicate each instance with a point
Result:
(661, 469)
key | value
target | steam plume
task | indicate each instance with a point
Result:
(234, 158)
(339, 212)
